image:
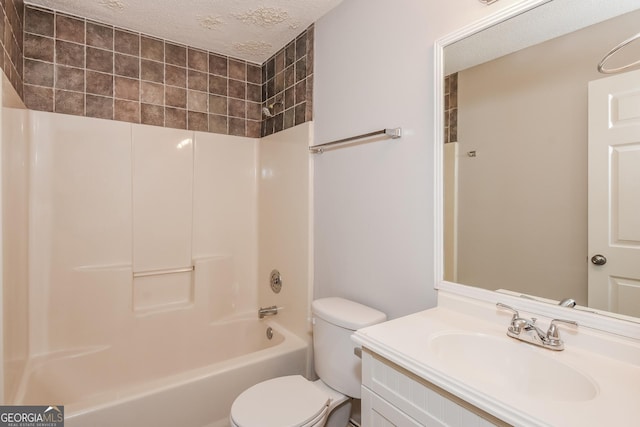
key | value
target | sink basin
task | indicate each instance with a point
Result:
(511, 366)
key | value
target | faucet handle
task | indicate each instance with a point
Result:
(553, 327)
(511, 309)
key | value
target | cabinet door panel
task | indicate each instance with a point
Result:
(377, 412)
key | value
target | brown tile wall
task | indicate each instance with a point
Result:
(451, 108)
(288, 84)
(11, 19)
(77, 66)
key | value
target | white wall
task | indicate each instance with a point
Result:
(374, 202)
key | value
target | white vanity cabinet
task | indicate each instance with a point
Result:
(394, 397)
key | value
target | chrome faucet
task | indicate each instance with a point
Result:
(526, 330)
(267, 311)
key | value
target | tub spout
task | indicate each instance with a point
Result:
(267, 311)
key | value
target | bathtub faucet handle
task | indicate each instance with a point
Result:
(267, 311)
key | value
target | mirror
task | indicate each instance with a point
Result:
(516, 168)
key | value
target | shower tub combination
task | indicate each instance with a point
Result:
(113, 201)
(160, 383)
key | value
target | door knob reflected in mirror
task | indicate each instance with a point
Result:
(599, 259)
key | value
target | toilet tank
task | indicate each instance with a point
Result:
(334, 321)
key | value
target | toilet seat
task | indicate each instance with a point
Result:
(316, 422)
(290, 401)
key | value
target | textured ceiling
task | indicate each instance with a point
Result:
(252, 30)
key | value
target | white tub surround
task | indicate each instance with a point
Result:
(462, 347)
(110, 201)
(143, 260)
(162, 213)
(285, 222)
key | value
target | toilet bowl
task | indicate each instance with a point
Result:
(294, 401)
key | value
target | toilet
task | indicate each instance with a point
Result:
(294, 401)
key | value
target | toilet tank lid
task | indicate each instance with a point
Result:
(345, 313)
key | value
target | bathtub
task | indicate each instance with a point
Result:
(188, 381)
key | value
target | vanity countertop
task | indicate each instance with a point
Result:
(595, 381)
